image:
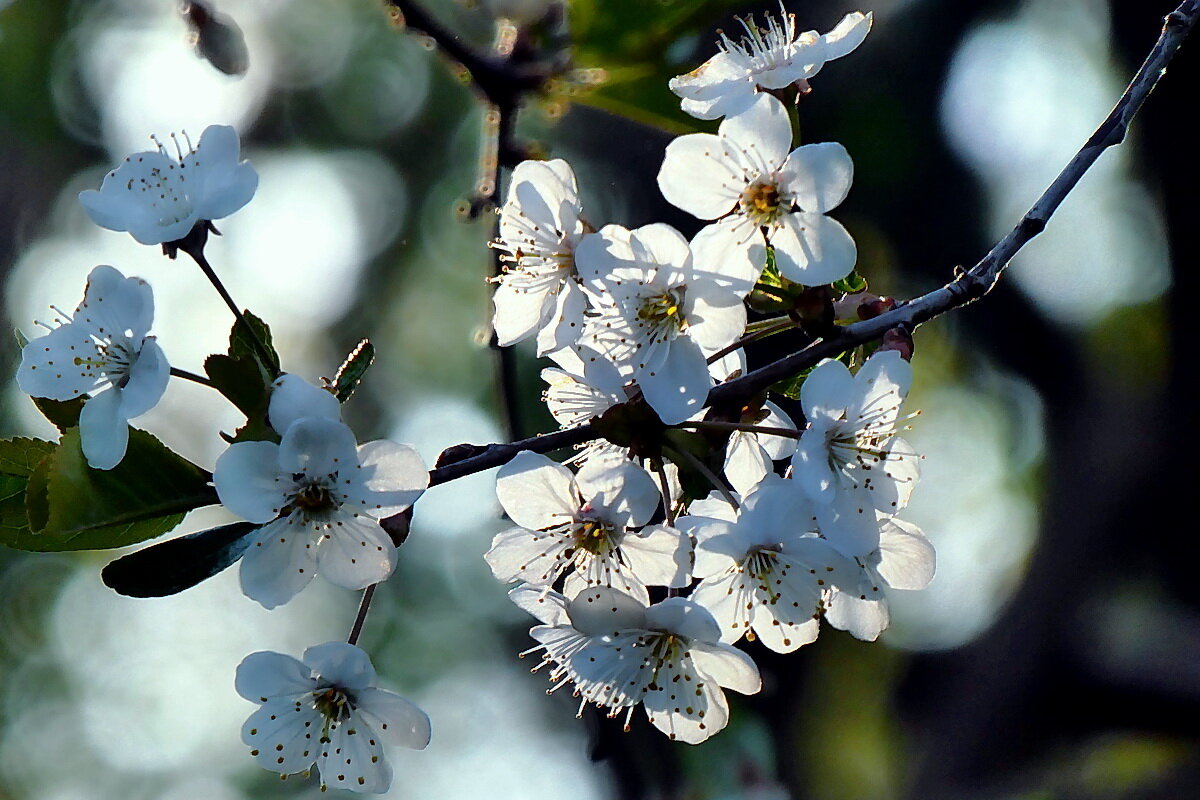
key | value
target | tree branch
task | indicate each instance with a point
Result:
(967, 287)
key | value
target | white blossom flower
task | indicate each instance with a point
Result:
(745, 178)
(540, 228)
(850, 461)
(320, 498)
(764, 570)
(585, 521)
(102, 348)
(584, 385)
(619, 653)
(905, 559)
(325, 709)
(159, 198)
(773, 57)
(656, 316)
(749, 454)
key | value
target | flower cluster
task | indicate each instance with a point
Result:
(643, 586)
(314, 496)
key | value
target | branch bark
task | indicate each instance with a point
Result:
(968, 286)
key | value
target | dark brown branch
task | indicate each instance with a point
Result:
(966, 288)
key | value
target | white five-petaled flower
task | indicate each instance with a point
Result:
(159, 198)
(759, 190)
(905, 559)
(764, 569)
(586, 521)
(770, 58)
(657, 316)
(325, 709)
(320, 497)
(850, 461)
(619, 653)
(104, 348)
(540, 228)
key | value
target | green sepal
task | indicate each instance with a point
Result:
(170, 567)
(21, 338)
(71, 506)
(851, 284)
(63, 414)
(352, 370)
(19, 459)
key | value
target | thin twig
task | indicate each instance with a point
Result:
(967, 287)
(361, 617)
(191, 376)
(714, 425)
(210, 273)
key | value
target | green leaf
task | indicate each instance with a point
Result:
(75, 507)
(19, 459)
(170, 567)
(352, 370)
(851, 284)
(241, 382)
(63, 414)
(242, 344)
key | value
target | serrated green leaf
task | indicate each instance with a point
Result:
(851, 284)
(144, 496)
(63, 414)
(19, 458)
(170, 567)
(242, 344)
(352, 370)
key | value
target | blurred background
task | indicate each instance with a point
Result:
(1055, 655)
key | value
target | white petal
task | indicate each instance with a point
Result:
(777, 447)
(862, 619)
(284, 736)
(728, 666)
(48, 367)
(221, 183)
(726, 596)
(519, 309)
(249, 481)
(278, 564)
(731, 252)
(907, 558)
(811, 469)
(715, 314)
(827, 391)
(684, 617)
(883, 381)
(849, 523)
(700, 174)
(812, 249)
(389, 479)
(293, 398)
(819, 176)
(618, 490)
(661, 244)
(746, 463)
(148, 378)
(355, 552)
(550, 608)
(565, 323)
(353, 758)
(719, 543)
(602, 611)
(318, 447)
(340, 664)
(659, 556)
(678, 388)
(398, 720)
(267, 674)
(684, 713)
(763, 133)
(536, 557)
(536, 492)
(115, 306)
(848, 35)
(103, 430)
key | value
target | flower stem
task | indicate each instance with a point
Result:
(717, 481)
(668, 513)
(211, 274)
(712, 425)
(754, 332)
(191, 376)
(363, 608)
